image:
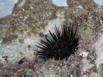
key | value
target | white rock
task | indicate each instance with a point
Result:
(99, 50)
(22, 3)
(51, 25)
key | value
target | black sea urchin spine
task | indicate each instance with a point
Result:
(59, 45)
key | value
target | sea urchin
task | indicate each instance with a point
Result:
(59, 45)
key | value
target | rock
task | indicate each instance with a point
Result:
(99, 50)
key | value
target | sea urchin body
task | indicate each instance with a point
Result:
(59, 45)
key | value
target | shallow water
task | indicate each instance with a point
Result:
(6, 7)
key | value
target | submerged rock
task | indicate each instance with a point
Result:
(99, 50)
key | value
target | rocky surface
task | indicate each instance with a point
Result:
(32, 19)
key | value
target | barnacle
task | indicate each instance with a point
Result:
(59, 45)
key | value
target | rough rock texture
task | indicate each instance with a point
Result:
(99, 49)
(31, 14)
(35, 16)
